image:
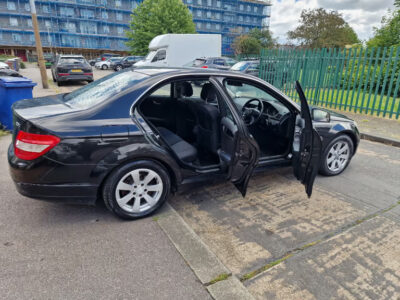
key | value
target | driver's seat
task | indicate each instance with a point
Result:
(207, 119)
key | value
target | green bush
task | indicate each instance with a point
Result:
(22, 65)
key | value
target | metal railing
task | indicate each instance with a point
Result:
(364, 80)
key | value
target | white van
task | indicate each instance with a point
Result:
(176, 50)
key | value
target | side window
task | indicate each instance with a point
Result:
(254, 67)
(164, 90)
(241, 92)
(219, 62)
(161, 55)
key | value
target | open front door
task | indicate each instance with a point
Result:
(239, 151)
(307, 146)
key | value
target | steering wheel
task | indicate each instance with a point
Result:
(250, 114)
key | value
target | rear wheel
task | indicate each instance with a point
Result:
(104, 67)
(136, 189)
(337, 155)
(118, 68)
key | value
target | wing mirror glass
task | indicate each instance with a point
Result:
(320, 115)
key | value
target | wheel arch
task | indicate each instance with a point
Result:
(351, 135)
(174, 174)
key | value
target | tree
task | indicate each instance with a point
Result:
(155, 17)
(245, 44)
(389, 32)
(264, 36)
(321, 28)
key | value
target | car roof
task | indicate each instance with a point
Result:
(71, 56)
(151, 71)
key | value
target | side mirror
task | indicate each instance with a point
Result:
(320, 115)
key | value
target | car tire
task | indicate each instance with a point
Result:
(104, 67)
(337, 155)
(118, 68)
(122, 193)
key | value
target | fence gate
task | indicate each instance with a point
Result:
(364, 80)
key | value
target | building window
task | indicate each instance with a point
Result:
(199, 2)
(198, 13)
(118, 3)
(120, 30)
(47, 9)
(11, 5)
(198, 25)
(106, 29)
(1, 35)
(70, 27)
(208, 25)
(240, 18)
(13, 21)
(189, 1)
(67, 11)
(104, 2)
(32, 37)
(208, 14)
(255, 9)
(217, 26)
(104, 15)
(87, 13)
(47, 23)
(209, 2)
(16, 37)
(119, 16)
(248, 19)
(248, 8)
(134, 4)
(27, 7)
(218, 15)
(29, 22)
(218, 3)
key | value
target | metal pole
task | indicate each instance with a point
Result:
(39, 48)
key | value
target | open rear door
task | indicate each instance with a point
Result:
(307, 146)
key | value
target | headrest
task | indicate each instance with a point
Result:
(207, 91)
(187, 90)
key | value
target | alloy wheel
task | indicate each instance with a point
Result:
(139, 190)
(338, 156)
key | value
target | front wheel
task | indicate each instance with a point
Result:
(136, 189)
(337, 155)
(118, 68)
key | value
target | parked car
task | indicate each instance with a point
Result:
(71, 68)
(102, 57)
(221, 63)
(134, 137)
(3, 65)
(9, 72)
(49, 59)
(104, 65)
(251, 67)
(125, 62)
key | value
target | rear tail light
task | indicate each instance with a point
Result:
(204, 67)
(29, 146)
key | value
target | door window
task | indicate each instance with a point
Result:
(161, 55)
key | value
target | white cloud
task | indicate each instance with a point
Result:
(362, 15)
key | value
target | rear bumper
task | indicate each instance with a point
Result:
(63, 193)
(27, 176)
(77, 77)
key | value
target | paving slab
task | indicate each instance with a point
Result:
(361, 263)
(275, 217)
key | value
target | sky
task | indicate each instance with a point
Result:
(362, 15)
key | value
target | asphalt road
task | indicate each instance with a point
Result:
(50, 251)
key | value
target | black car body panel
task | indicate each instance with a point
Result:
(98, 139)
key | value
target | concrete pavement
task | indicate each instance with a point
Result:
(50, 251)
(343, 242)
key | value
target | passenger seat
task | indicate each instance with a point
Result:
(182, 149)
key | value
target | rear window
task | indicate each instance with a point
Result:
(240, 66)
(198, 62)
(71, 60)
(102, 89)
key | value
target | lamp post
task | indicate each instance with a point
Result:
(39, 49)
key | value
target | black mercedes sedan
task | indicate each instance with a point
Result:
(134, 137)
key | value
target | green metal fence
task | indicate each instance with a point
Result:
(364, 80)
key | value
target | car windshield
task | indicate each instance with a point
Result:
(102, 89)
(72, 60)
(230, 61)
(150, 55)
(240, 66)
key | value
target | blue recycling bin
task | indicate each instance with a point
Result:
(12, 89)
